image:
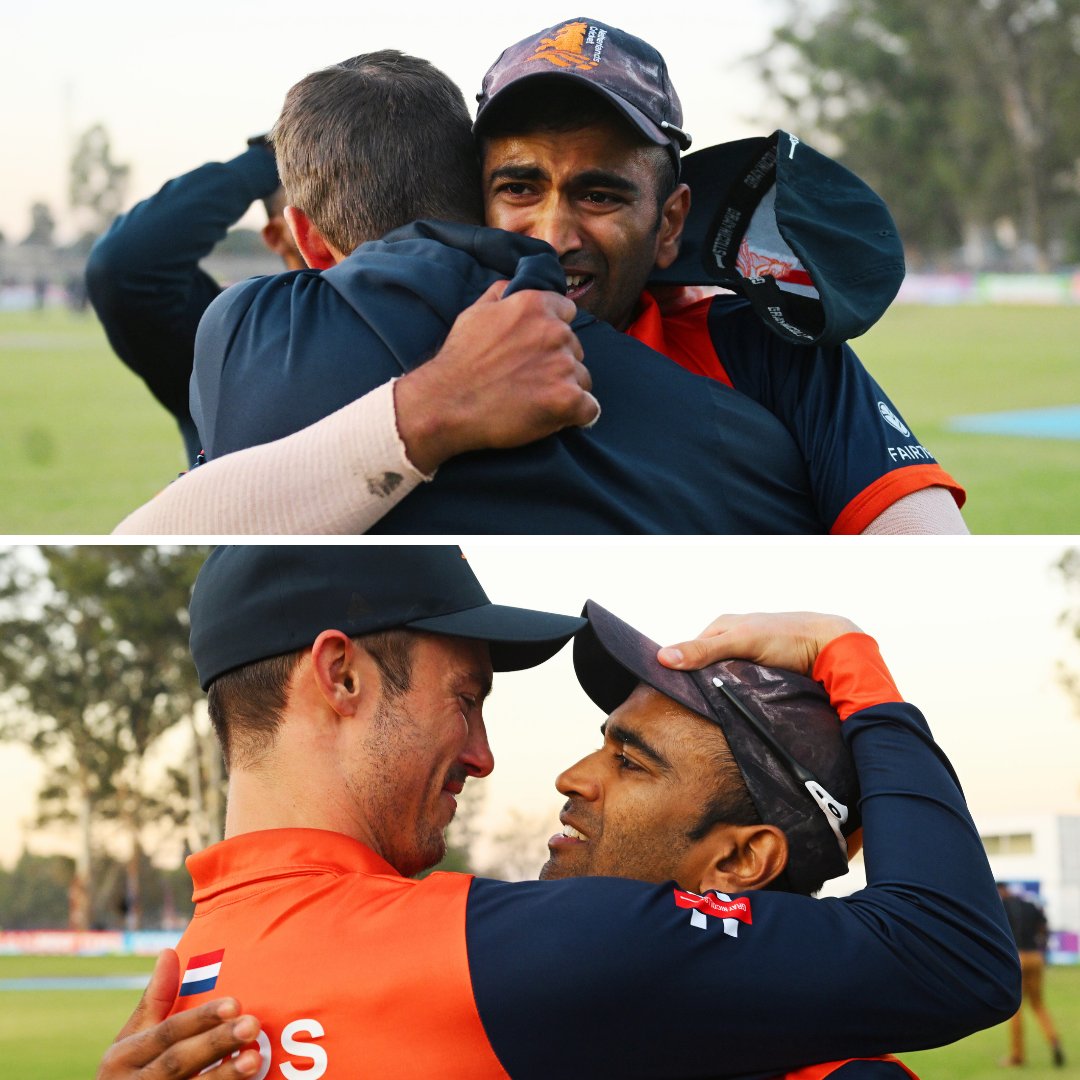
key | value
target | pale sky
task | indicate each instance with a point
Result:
(968, 627)
(180, 85)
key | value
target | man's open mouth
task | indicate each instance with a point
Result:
(577, 285)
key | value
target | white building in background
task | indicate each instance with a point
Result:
(1042, 853)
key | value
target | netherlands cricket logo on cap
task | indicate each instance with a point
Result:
(567, 48)
(201, 973)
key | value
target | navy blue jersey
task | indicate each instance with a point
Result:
(466, 978)
(860, 453)
(673, 452)
(918, 958)
(144, 280)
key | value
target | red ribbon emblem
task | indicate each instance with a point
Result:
(739, 908)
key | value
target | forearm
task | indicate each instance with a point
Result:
(340, 475)
(919, 958)
(173, 229)
(926, 866)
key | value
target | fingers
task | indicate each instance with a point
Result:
(493, 292)
(702, 651)
(158, 997)
(562, 307)
(789, 640)
(185, 1044)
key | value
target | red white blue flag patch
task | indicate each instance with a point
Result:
(201, 973)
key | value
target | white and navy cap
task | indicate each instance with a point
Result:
(809, 244)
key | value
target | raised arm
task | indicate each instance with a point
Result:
(920, 957)
(143, 276)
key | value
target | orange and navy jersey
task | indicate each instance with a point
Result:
(356, 971)
(860, 454)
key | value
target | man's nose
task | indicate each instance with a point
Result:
(579, 779)
(556, 223)
(477, 756)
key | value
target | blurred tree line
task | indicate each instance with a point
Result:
(35, 893)
(94, 671)
(963, 114)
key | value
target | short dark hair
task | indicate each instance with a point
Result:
(246, 704)
(556, 106)
(732, 804)
(375, 142)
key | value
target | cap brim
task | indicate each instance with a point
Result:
(611, 658)
(519, 638)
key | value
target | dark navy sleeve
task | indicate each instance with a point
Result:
(601, 976)
(143, 276)
(861, 453)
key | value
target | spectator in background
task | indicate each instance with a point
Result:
(1028, 924)
(143, 276)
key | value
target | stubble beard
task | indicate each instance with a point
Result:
(393, 744)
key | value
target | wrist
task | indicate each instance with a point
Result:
(854, 675)
(423, 424)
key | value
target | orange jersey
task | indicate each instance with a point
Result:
(298, 920)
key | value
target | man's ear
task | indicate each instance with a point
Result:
(745, 857)
(335, 670)
(278, 239)
(318, 252)
(672, 220)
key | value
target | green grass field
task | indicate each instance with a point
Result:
(82, 441)
(59, 1035)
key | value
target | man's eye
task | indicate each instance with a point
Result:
(513, 189)
(625, 763)
(601, 198)
(468, 703)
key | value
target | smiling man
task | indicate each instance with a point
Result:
(346, 755)
(578, 160)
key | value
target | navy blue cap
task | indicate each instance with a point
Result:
(810, 245)
(626, 71)
(791, 721)
(251, 602)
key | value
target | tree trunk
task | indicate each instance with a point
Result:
(79, 893)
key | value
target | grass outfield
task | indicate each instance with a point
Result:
(941, 362)
(83, 442)
(58, 1034)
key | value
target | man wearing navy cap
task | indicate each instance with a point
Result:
(345, 759)
(582, 138)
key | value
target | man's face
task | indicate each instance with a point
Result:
(427, 742)
(633, 803)
(592, 195)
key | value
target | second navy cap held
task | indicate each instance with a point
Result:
(809, 244)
